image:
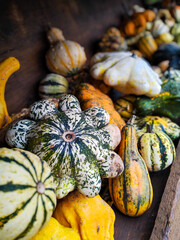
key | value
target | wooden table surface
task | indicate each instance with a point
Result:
(23, 27)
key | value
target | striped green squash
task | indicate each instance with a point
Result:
(53, 86)
(27, 195)
(77, 144)
(132, 191)
(157, 150)
(163, 124)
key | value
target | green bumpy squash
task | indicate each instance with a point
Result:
(167, 102)
(77, 144)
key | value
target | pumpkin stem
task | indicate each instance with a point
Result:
(131, 120)
(149, 128)
(55, 35)
(134, 55)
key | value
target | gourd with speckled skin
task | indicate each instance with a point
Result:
(77, 145)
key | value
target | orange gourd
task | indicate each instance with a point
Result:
(131, 192)
(93, 218)
(90, 97)
(7, 68)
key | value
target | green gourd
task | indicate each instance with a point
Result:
(53, 86)
(27, 194)
(157, 149)
(77, 145)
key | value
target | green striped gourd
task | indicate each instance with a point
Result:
(27, 194)
(132, 191)
(77, 145)
(163, 124)
(53, 86)
(157, 150)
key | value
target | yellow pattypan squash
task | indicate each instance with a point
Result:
(92, 217)
(55, 231)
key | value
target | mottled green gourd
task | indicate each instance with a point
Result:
(163, 124)
(77, 145)
(167, 102)
(157, 149)
(27, 194)
(53, 86)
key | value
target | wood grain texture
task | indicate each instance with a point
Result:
(23, 27)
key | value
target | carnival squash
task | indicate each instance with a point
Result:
(132, 191)
(93, 218)
(126, 72)
(157, 149)
(27, 194)
(77, 145)
(7, 68)
(91, 97)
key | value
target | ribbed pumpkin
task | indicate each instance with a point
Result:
(163, 124)
(157, 149)
(53, 86)
(132, 191)
(124, 106)
(90, 96)
(64, 57)
(77, 145)
(27, 194)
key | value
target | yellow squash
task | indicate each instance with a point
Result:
(55, 231)
(131, 192)
(93, 218)
(7, 68)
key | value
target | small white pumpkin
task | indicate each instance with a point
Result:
(126, 73)
(64, 57)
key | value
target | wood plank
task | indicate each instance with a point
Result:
(168, 218)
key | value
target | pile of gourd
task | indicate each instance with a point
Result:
(74, 137)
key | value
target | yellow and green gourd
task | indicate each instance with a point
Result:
(131, 192)
(53, 86)
(27, 194)
(157, 149)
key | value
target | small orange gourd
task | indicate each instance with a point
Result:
(89, 96)
(7, 68)
(93, 218)
(131, 192)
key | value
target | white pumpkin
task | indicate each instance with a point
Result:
(126, 73)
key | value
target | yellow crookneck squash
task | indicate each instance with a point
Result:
(89, 96)
(7, 68)
(132, 192)
(93, 218)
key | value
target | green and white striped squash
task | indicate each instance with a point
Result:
(157, 150)
(163, 124)
(77, 145)
(27, 194)
(53, 86)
